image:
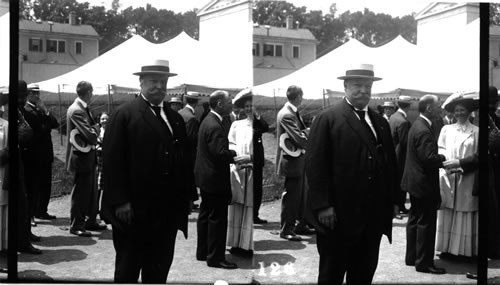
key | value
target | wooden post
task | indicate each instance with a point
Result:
(60, 113)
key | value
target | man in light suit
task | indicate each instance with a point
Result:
(421, 180)
(290, 122)
(148, 180)
(399, 130)
(351, 170)
(84, 196)
(212, 177)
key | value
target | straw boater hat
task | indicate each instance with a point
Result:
(243, 94)
(158, 66)
(78, 142)
(363, 71)
(175, 100)
(388, 104)
(33, 87)
(192, 95)
(404, 99)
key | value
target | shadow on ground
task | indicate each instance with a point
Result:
(50, 257)
(54, 241)
(281, 244)
(37, 276)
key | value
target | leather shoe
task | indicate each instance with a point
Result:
(305, 230)
(201, 258)
(33, 223)
(30, 249)
(45, 216)
(240, 251)
(471, 275)
(431, 270)
(223, 264)
(95, 227)
(259, 221)
(290, 236)
(34, 238)
(81, 233)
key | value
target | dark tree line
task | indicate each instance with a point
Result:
(115, 25)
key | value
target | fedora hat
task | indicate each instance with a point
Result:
(243, 94)
(287, 145)
(174, 99)
(363, 71)
(158, 66)
(389, 104)
(192, 95)
(78, 142)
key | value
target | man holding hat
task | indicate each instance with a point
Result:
(81, 159)
(148, 181)
(389, 108)
(399, 130)
(352, 174)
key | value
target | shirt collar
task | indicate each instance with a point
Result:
(31, 104)
(402, 112)
(364, 109)
(293, 107)
(82, 102)
(151, 104)
(218, 116)
(190, 108)
(425, 118)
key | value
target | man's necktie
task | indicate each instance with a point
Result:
(361, 115)
(157, 111)
(92, 122)
(303, 126)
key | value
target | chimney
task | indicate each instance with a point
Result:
(72, 18)
(289, 22)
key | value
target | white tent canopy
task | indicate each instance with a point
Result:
(449, 66)
(4, 49)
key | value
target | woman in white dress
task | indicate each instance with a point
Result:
(240, 212)
(457, 225)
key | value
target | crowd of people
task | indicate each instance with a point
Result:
(142, 167)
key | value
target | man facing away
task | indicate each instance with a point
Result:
(212, 177)
(84, 196)
(351, 170)
(399, 130)
(421, 180)
(148, 180)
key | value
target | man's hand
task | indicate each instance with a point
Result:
(124, 213)
(327, 217)
(452, 163)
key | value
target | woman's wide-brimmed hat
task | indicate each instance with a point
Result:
(363, 71)
(242, 95)
(158, 66)
(470, 100)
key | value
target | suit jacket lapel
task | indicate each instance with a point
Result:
(357, 126)
(150, 118)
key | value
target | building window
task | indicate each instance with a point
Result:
(58, 46)
(278, 50)
(273, 50)
(78, 47)
(296, 51)
(268, 50)
(255, 49)
(35, 44)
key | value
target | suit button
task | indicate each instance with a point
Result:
(166, 152)
(369, 178)
(369, 157)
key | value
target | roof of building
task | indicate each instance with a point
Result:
(216, 5)
(435, 8)
(44, 26)
(303, 34)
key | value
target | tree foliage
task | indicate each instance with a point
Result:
(115, 25)
(495, 14)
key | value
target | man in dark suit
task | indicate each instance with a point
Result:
(421, 180)
(399, 130)
(351, 170)
(45, 150)
(260, 126)
(212, 176)
(148, 180)
(290, 122)
(82, 162)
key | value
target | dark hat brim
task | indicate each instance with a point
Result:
(346, 77)
(169, 74)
